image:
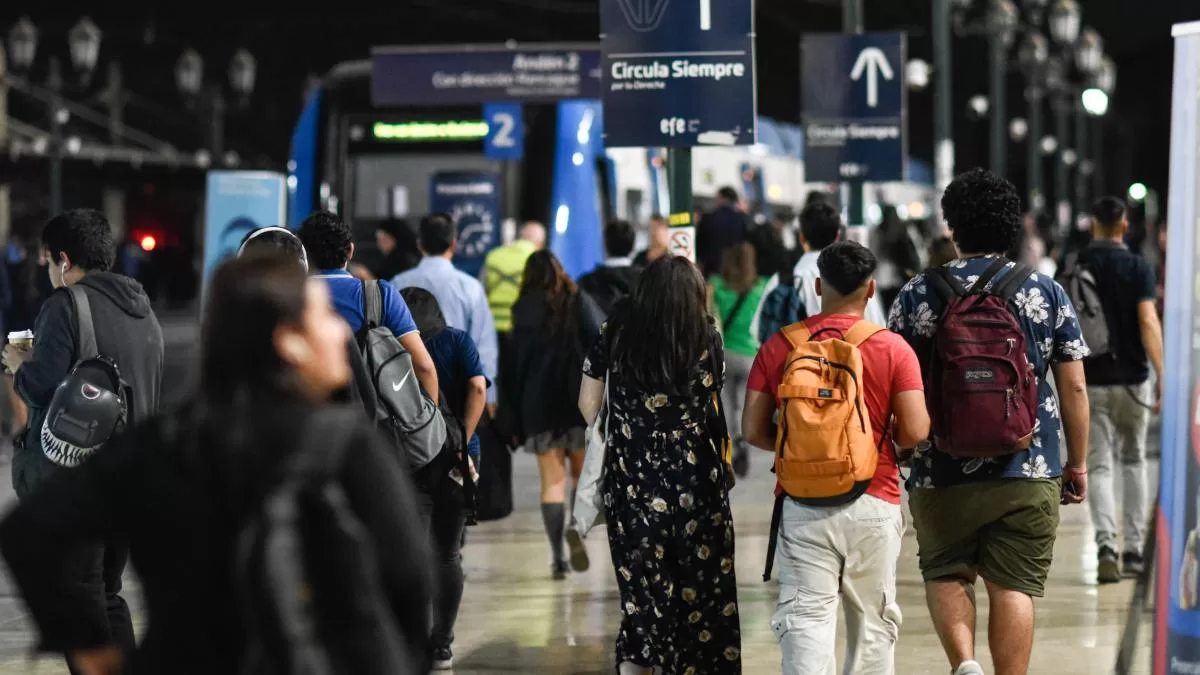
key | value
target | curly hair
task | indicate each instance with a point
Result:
(983, 211)
(327, 239)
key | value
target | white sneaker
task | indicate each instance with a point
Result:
(969, 668)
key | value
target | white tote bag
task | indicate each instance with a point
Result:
(589, 501)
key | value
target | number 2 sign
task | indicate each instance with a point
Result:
(505, 138)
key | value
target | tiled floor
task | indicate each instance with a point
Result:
(516, 620)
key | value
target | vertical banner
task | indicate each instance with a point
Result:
(1177, 604)
(472, 200)
(236, 203)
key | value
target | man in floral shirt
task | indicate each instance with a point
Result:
(996, 518)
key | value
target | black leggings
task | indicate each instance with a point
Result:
(444, 519)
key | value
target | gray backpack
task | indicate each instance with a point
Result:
(404, 413)
(1079, 281)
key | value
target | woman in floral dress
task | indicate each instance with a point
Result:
(665, 496)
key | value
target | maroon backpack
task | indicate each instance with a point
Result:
(981, 387)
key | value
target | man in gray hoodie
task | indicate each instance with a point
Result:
(79, 244)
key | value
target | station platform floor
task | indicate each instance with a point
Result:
(515, 619)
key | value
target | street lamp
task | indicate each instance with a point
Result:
(1104, 81)
(22, 44)
(84, 42)
(1095, 101)
(1064, 22)
(209, 99)
(1033, 55)
(1089, 52)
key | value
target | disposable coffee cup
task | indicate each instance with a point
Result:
(21, 339)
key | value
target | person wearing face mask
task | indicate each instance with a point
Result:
(80, 247)
(185, 488)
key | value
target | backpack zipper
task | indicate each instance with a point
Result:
(830, 364)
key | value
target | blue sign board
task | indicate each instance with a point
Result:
(468, 75)
(505, 138)
(853, 105)
(237, 203)
(473, 200)
(678, 73)
(1177, 573)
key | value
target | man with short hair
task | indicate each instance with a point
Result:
(995, 517)
(462, 299)
(80, 247)
(845, 547)
(617, 275)
(1119, 387)
(329, 244)
(719, 229)
(820, 226)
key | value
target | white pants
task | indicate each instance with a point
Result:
(826, 552)
(1119, 423)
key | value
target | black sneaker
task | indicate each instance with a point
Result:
(1108, 571)
(558, 571)
(443, 659)
(1132, 564)
(578, 552)
(741, 459)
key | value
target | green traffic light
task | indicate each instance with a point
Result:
(1137, 192)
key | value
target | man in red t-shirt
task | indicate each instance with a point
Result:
(849, 546)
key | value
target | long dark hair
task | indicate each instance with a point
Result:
(660, 332)
(545, 275)
(426, 311)
(249, 299)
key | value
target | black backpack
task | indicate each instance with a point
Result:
(402, 411)
(91, 405)
(308, 585)
(782, 307)
(453, 458)
(1078, 279)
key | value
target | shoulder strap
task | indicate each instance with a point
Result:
(372, 304)
(737, 306)
(944, 284)
(861, 331)
(86, 330)
(989, 274)
(797, 334)
(1013, 281)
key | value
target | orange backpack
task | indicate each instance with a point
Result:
(825, 444)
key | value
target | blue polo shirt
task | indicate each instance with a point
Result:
(347, 294)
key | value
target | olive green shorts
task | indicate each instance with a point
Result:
(1003, 530)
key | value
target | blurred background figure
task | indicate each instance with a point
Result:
(775, 243)
(719, 229)
(734, 297)
(615, 278)
(554, 324)
(898, 257)
(942, 251)
(659, 233)
(397, 243)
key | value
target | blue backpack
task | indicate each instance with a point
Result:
(782, 307)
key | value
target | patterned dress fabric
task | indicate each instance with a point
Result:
(669, 525)
(1049, 320)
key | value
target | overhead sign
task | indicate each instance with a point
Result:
(430, 132)
(472, 200)
(505, 131)
(678, 73)
(853, 105)
(475, 74)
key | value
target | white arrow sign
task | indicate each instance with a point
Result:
(874, 62)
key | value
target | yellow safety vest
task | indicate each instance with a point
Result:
(504, 267)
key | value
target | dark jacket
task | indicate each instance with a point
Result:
(718, 229)
(180, 489)
(542, 373)
(607, 284)
(126, 331)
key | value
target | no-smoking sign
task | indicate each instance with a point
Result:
(682, 242)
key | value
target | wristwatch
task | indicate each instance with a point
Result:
(904, 457)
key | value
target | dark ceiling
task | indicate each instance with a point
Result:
(291, 48)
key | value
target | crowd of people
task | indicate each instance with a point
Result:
(322, 479)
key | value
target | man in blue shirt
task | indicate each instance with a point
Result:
(997, 517)
(461, 297)
(329, 243)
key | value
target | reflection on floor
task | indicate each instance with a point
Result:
(514, 619)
